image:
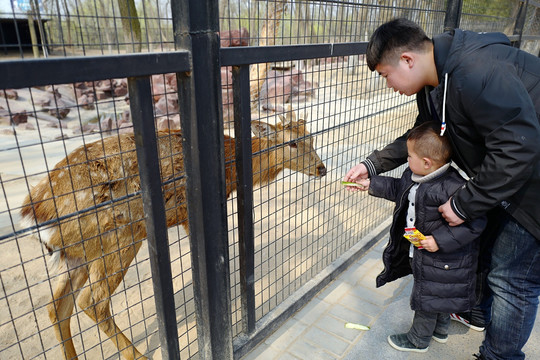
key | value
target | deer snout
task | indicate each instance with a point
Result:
(321, 170)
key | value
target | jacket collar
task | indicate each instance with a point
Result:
(442, 45)
(452, 47)
(441, 48)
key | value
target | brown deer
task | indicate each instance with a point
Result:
(99, 245)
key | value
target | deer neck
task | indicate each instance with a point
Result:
(266, 165)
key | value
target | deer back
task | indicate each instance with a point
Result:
(93, 175)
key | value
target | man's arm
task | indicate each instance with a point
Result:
(452, 238)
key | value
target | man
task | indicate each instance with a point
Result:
(486, 96)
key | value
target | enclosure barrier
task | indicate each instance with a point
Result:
(137, 68)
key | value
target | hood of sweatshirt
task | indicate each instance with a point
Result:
(450, 49)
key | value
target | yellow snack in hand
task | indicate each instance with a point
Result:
(414, 236)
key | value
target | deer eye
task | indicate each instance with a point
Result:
(293, 144)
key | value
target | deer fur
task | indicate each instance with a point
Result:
(98, 245)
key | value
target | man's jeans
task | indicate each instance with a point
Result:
(514, 280)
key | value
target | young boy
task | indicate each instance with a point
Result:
(444, 263)
(485, 94)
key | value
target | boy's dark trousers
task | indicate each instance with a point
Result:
(425, 324)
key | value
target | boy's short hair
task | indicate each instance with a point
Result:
(428, 143)
(393, 38)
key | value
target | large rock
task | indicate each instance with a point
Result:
(231, 38)
(282, 87)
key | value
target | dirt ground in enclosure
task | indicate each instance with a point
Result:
(301, 225)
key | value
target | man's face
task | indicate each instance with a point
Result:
(402, 76)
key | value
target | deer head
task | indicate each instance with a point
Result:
(291, 145)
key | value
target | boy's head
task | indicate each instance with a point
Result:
(427, 150)
(401, 52)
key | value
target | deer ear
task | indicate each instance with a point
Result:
(262, 129)
(302, 119)
(285, 120)
(291, 115)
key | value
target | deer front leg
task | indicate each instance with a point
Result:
(105, 276)
(61, 308)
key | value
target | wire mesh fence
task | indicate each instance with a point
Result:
(85, 194)
(72, 147)
(90, 27)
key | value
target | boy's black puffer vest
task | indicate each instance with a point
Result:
(444, 281)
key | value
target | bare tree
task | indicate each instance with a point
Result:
(269, 32)
(130, 23)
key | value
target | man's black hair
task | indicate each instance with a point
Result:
(397, 35)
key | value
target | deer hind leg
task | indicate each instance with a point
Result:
(105, 276)
(61, 308)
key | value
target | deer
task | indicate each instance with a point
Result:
(98, 246)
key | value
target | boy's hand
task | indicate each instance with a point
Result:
(361, 185)
(365, 183)
(429, 244)
(357, 174)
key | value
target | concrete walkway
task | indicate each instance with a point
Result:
(317, 331)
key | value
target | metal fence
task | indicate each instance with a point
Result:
(84, 86)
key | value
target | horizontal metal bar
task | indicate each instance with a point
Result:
(243, 55)
(38, 72)
(523, 37)
(58, 220)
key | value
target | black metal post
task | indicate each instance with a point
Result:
(520, 23)
(453, 14)
(140, 99)
(242, 132)
(196, 26)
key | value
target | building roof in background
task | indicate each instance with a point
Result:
(20, 7)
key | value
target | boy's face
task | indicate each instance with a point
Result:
(418, 165)
(404, 76)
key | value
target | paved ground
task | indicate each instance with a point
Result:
(317, 331)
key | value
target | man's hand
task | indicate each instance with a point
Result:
(429, 244)
(449, 215)
(357, 174)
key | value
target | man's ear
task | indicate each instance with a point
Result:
(408, 58)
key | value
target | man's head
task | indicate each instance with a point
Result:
(393, 38)
(427, 150)
(402, 53)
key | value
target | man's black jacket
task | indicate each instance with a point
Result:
(492, 114)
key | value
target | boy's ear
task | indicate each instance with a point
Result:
(428, 163)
